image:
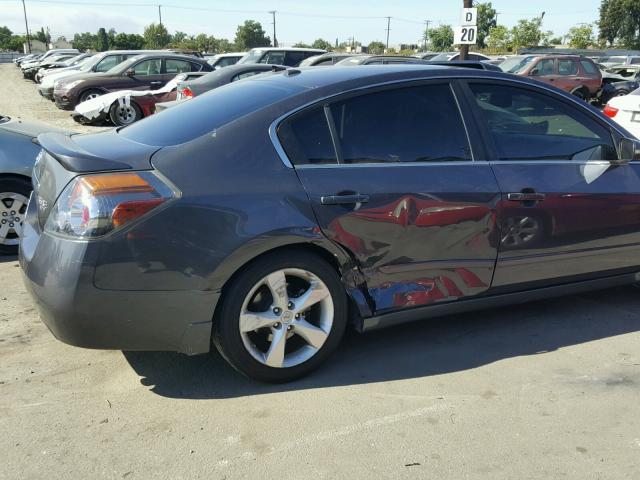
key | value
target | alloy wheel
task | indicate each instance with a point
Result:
(125, 114)
(286, 318)
(13, 207)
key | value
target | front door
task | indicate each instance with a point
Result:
(567, 209)
(391, 177)
(147, 76)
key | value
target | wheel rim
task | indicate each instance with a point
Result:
(90, 96)
(13, 206)
(125, 114)
(286, 318)
(519, 231)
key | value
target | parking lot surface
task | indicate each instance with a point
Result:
(544, 390)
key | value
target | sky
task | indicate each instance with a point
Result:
(296, 21)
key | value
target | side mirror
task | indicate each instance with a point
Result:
(629, 150)
(130, 73)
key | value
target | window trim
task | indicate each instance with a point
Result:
(392, 85)
(480, 125)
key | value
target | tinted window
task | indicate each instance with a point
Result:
(178, 66)
(306, 138)
(293, 59)
(240, 76)
(327, 61)
(635, 61)
(107, 63)
(148, 67)
(527, 125)
(412, 124)
(226, 61)
(473, 56)
(205, 113)
(567, 67)
(544, 67)
(589, 67)
(273, 58)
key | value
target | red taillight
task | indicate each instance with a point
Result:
(186, 92)
(610, 111)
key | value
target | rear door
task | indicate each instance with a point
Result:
(567, 212)
(391, 178)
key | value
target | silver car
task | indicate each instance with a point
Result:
(17, 157)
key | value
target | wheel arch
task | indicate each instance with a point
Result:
(336, 256)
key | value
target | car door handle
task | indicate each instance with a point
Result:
(155, 83)
(343, 199)
(526, 197)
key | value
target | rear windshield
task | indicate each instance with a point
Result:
(205, 113)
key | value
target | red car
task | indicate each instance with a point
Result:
(573, 74)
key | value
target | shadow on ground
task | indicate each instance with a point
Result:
(434, 347)
(8, 258)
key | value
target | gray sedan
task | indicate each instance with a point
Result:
(17, 157)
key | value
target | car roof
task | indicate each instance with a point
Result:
(291, 49)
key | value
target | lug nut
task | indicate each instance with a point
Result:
(289, 327)
(4, 214)
(276, 325)
(291, 306)
(277, 311)
(13, 212)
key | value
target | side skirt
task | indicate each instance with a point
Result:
(462, 306)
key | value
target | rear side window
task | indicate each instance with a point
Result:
(107, 63)
(635, 61)
(307, 139)
(411, 124)
(276, 58)
(148, 67)
(567, 67)
(527, 125)
(179, 66)
(589, 67)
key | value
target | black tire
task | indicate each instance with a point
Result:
(226, 332)
(12, 185)
(122, 117)
(622, 93)
(582, 93)
(86, 95)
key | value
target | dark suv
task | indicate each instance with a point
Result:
(291, 57)
(142, 72)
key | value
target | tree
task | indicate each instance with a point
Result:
(156, 36)
(41, 36)
(620, 23)
(556, 41)
(5, 37)
(376, 48)
(499, 38)
(128, 41)
(102, 40)
(581, 36)
(84, 41)
(301, 45)
(441, 38)
(527, 33)
(322, 44)
(251, 35)
(486, 21)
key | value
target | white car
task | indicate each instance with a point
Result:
(626, 111)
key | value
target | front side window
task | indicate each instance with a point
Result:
(544, 67)
(226, 61)
(276, 58)
(527, 125)
(241, 76)
(293, 59)
(148, 67)
(635, 61)
(107, 63)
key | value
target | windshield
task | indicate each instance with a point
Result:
(252, 57)
(206, 113)
(515, 65)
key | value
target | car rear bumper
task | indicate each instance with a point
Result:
(59, 275)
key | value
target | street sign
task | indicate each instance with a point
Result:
(465, 35)
(469, 16)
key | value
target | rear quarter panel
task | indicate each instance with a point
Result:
(17, 154)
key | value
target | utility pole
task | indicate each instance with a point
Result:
(497, 13)
(275, 40)
(26, 24)
(426, 33)
(464, 49)
(160, 13)
(388, 30)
